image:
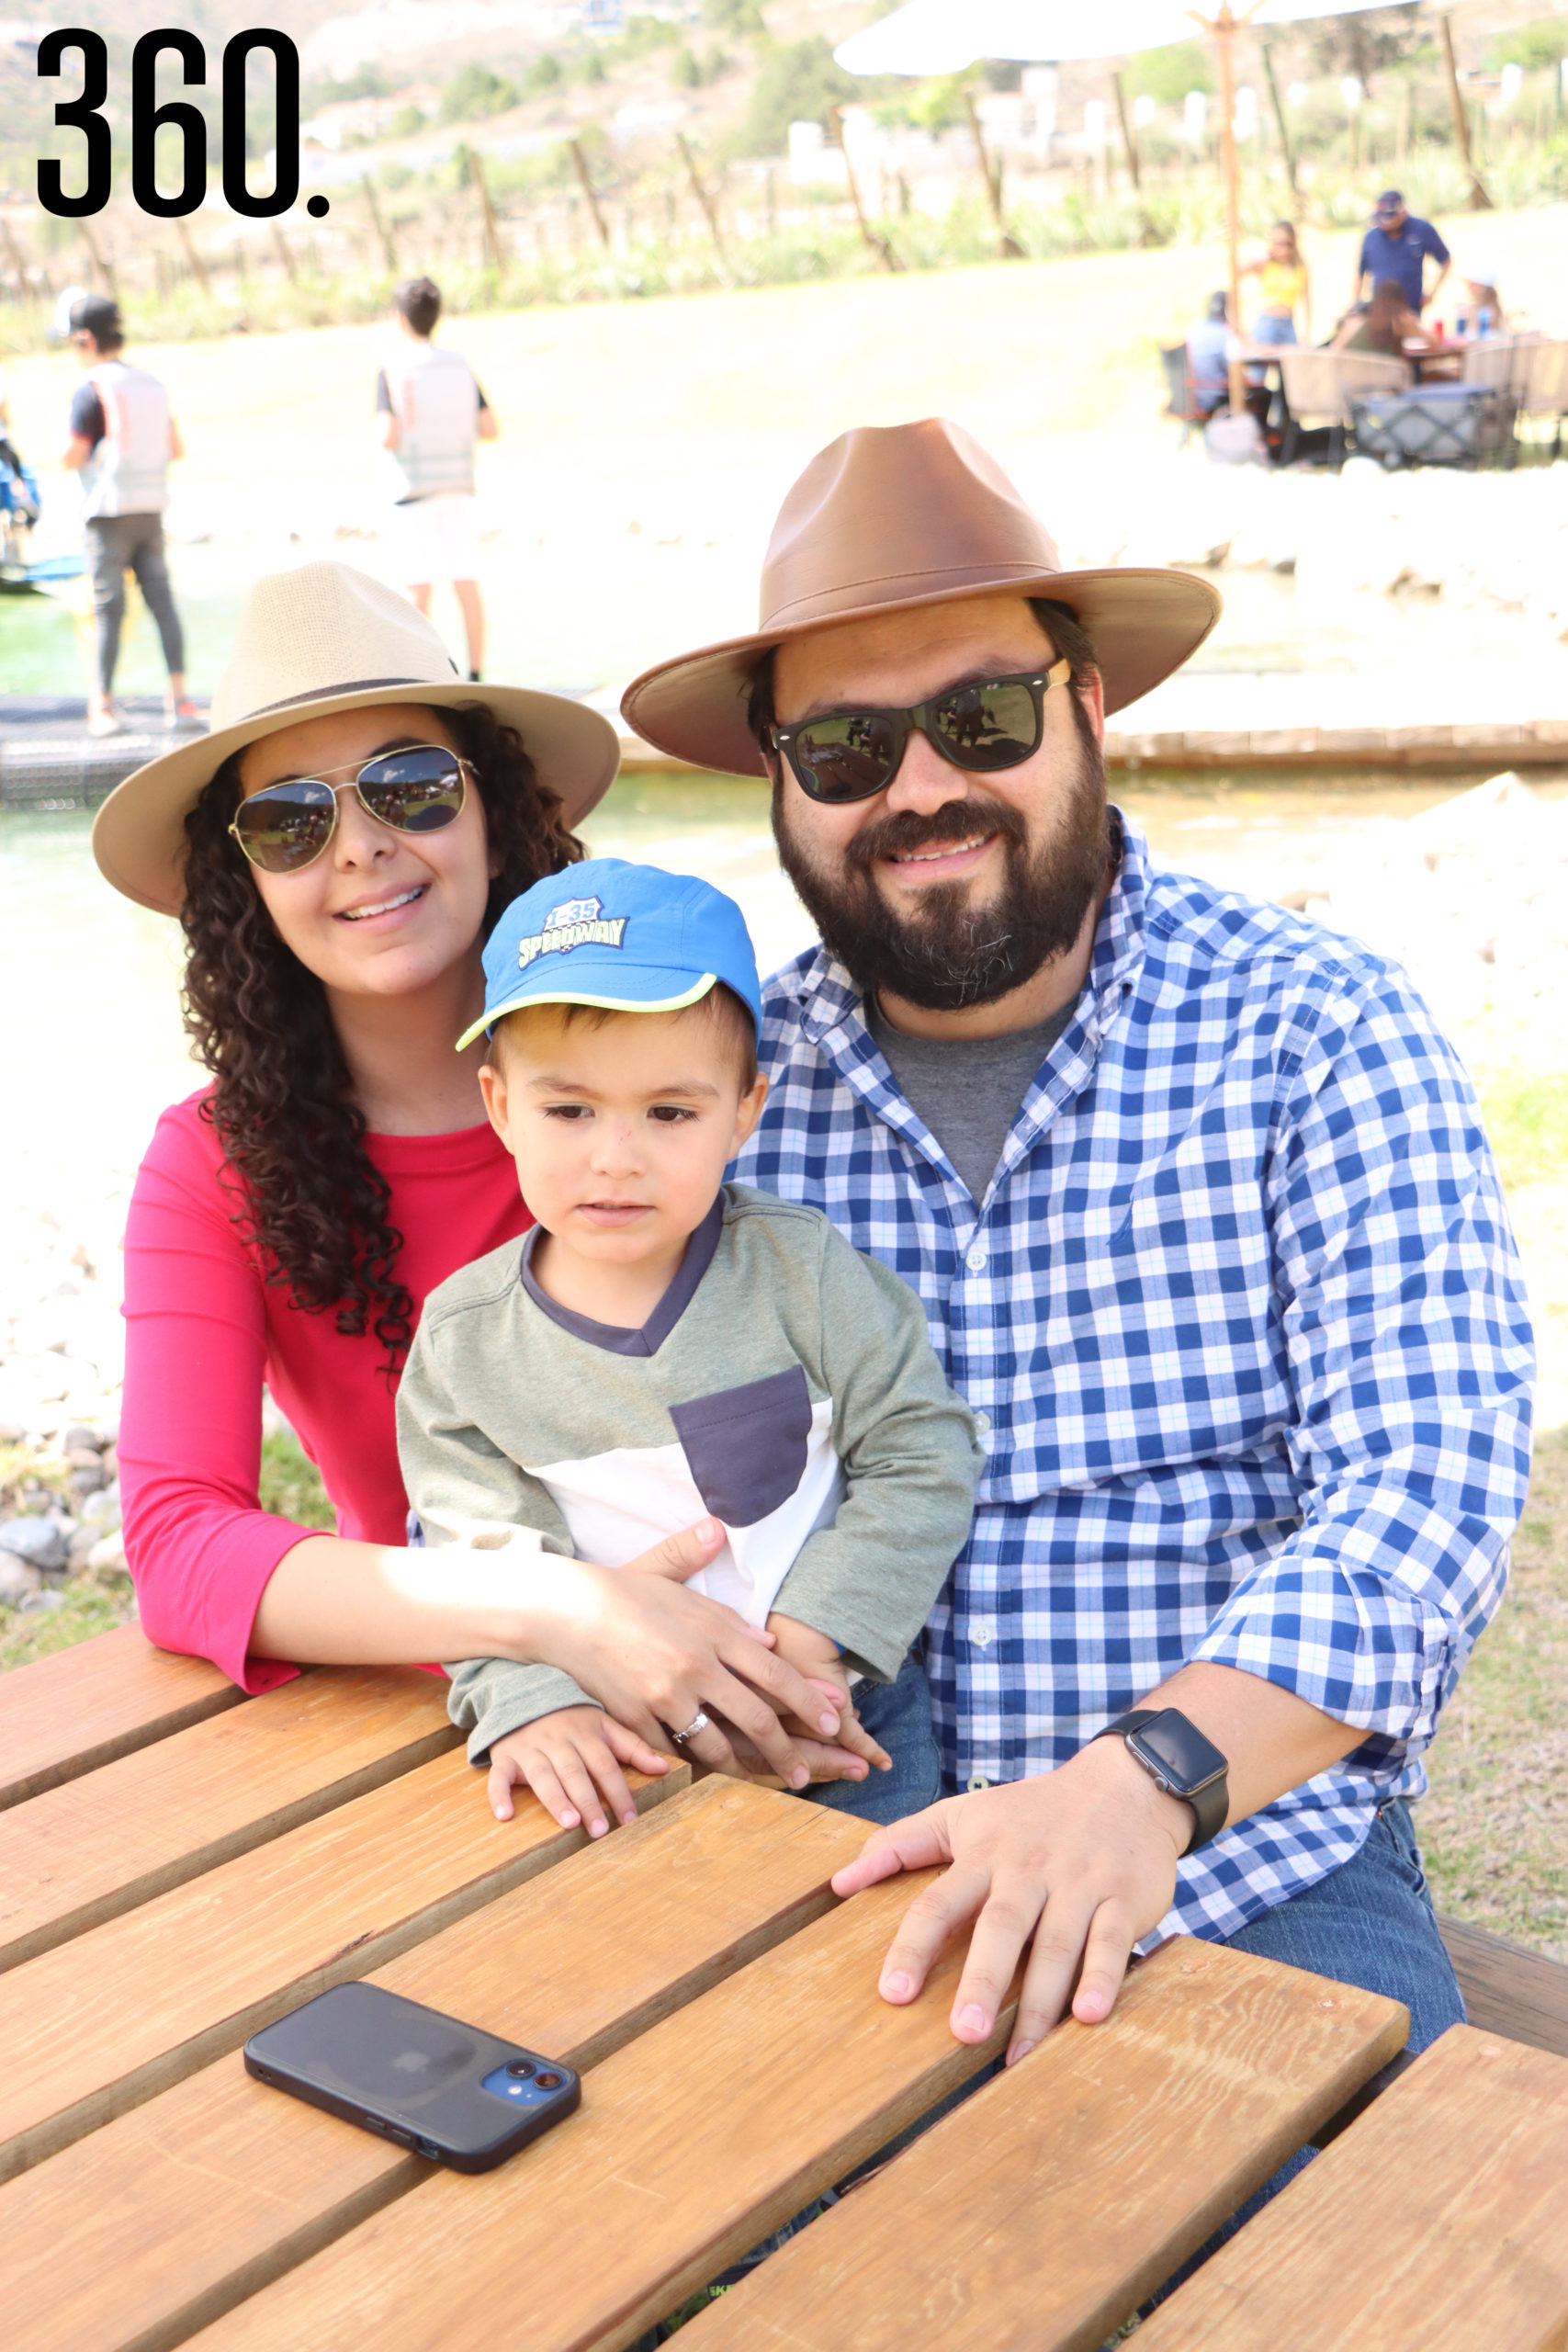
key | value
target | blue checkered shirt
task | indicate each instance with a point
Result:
(1244, 1326)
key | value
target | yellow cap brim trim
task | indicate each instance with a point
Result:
(583, 996)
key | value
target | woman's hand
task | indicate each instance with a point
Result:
(656, 1657)
(573, 1761)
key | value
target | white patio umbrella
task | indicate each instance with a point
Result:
(946, 35)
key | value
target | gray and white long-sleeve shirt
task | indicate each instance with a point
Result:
(784, 1384)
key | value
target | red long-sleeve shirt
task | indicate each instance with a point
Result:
(203, 1329)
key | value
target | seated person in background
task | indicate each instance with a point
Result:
(663, 1344)
(1387, 325)
(1481, 313)
(1285, 287)
(1208, 347)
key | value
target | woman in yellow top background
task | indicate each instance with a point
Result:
(1285, 288)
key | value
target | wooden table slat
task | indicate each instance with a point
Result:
(108, 2251)
(1439, 2219)
(130, 2007)
(99, 1844)
(1037, 2216)
(81, 1708)
(692, 2143)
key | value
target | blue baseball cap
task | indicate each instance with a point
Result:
(631, 938)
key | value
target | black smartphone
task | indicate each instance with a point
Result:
(448, 2091)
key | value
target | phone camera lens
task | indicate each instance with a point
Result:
(549, 2082)
(521, 2068)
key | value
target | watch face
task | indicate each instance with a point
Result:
(1177, 1752)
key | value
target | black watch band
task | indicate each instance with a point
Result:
(1181, 1761)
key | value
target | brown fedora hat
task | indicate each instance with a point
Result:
(318, 640)
(907, 514)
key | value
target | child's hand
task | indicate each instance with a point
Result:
(814, 1655)
(571, 1759)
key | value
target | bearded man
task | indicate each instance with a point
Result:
(1203, 1215)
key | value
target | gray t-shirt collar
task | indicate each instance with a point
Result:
(614, 1337)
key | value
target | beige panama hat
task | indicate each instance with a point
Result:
(309, 642)
(890, 516)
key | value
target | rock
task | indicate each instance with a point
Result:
(83, 1482)
(111, 1459)
(106, 1558)
(80, 1547)
(38, 1542)
(11, 1432)
(99, 1509)
(79, 1440)
(17, 1580)
(38, 1604)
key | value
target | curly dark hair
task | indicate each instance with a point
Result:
(308, 1195)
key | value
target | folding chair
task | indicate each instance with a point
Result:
(1185, 389)
(1542, 386)
(1320, 386)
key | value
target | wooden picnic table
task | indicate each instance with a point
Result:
(179, 1866)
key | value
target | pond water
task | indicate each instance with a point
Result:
(89, 983)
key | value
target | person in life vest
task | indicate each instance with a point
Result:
(431, 410)
(122, 441)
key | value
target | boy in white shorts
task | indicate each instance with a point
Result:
(431, 409)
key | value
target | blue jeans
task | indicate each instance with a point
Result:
(898, 1713)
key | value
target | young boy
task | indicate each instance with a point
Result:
(664, 1346)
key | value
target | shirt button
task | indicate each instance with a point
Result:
(976, 1260)
(982, 1632)
(982, 1422)
(975, 1782)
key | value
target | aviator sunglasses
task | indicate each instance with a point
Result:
(993, 723)
(285, 827)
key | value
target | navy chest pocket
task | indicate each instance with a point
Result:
(746, 1447)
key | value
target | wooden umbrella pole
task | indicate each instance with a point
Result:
(1225, 34)
(1479, 199)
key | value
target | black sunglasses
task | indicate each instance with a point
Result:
(285, 828)
(992, 723)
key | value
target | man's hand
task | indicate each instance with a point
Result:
(1083, 1860)
(656, 1657)
(573, 1761)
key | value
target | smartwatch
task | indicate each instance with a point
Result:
(1180, 1761)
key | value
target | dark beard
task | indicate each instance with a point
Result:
(949, 956)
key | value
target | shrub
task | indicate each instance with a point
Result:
(797, 82)
(475, 92)
(1537, 47)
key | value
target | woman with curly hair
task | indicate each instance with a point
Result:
(337, 851)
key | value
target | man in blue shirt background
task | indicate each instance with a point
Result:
(1396, 245)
